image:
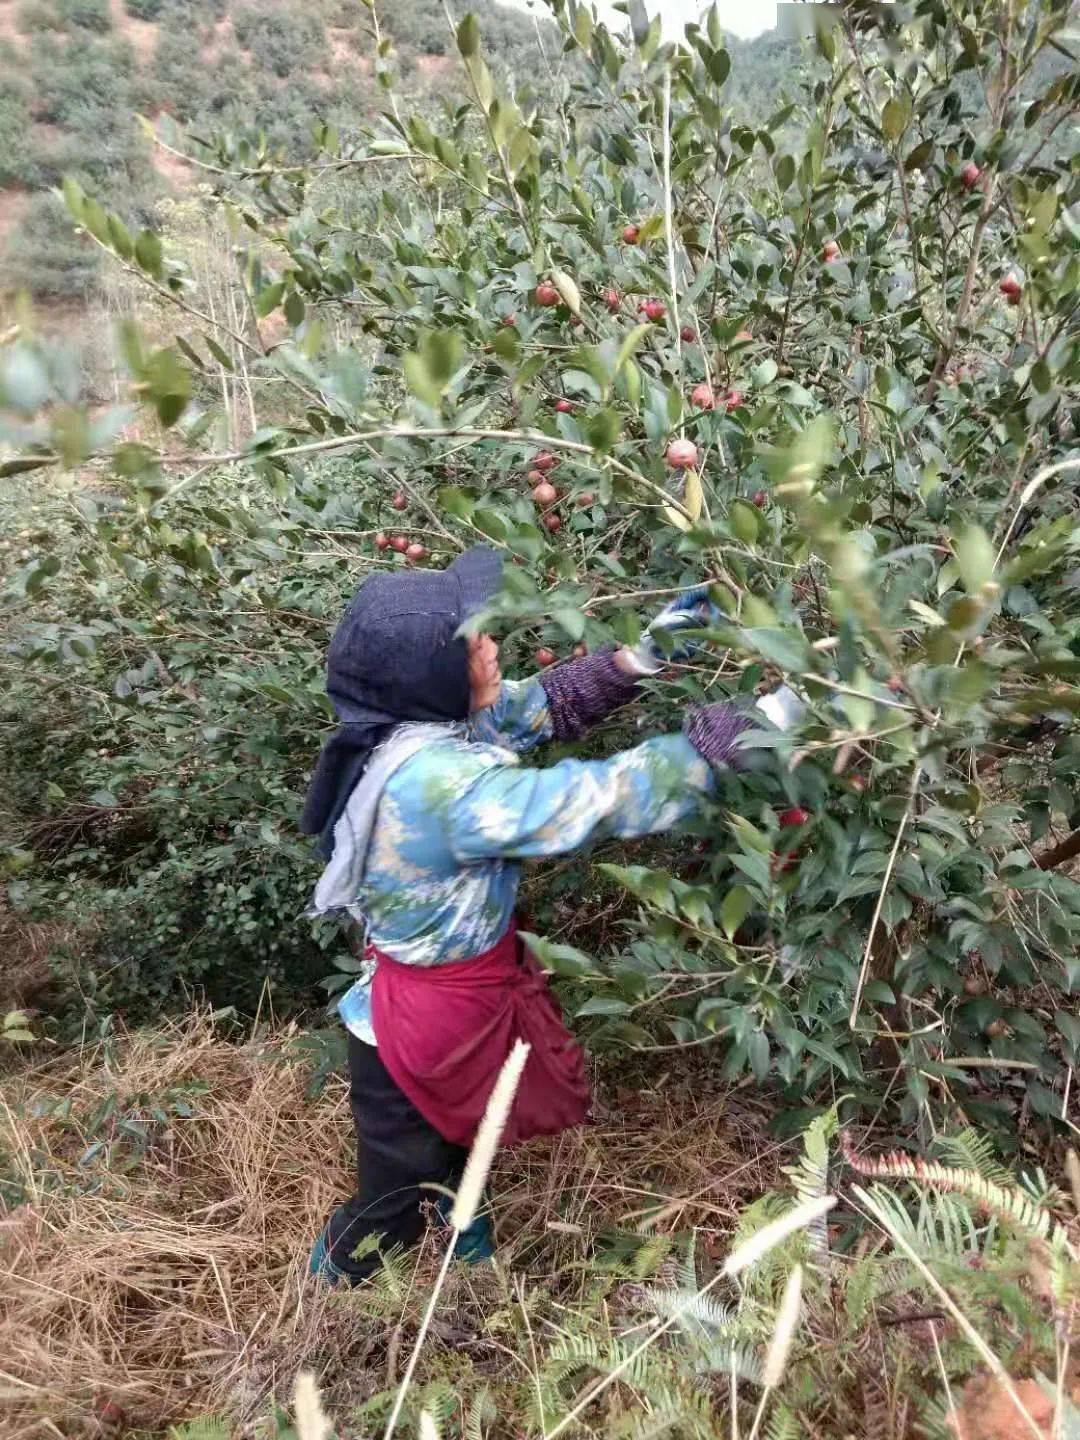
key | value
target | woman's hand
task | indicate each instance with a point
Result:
(692, 610)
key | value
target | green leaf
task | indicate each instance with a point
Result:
(895, 116)
(745, 521)
(468, 36)
(269, 298)
(975, 557)
(74, 198)
(603, 1005)
(631, 343)
(736, 907)
(429, 369)
(786, 648)
(572, 621)
(148, 253)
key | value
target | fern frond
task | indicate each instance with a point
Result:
(207, 1427)
(651, 1256)
(695, 1310)
(783, 1424)
(666, 1408)
(480, 1412)
(810, 1176)
(1010, 1203)
(724, 1356)
(972, 1150)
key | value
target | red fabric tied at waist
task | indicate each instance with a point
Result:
(443, 1032)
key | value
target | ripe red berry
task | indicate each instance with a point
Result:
(681, 454)
(564, 407)
(761, 498)
(969, 175)
(382, 542)
(552, 522)
(795, 816)
(400, 500)
(702, 397)
(733, 399)
(415, 551)
(399, 543)
(534, 477)
(586, 498)
(630, 234)
(544, 656)
(830, 251)
(544, 460)
(654, 310)
(857, 783)
(546, 294)
(1011, 288)
(612, 300)
(545, 494)
(688, 334)
(509, 320)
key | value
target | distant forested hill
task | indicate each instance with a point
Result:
(75, 73)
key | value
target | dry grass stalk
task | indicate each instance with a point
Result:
(470, 1193)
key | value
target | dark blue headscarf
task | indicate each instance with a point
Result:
(395, 656)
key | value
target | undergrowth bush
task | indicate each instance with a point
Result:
(861, 318)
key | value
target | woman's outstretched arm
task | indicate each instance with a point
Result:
(513, 812)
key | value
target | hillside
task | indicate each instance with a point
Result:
(75, 73)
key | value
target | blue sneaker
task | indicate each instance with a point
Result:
(321, 1266)
(476, 1243)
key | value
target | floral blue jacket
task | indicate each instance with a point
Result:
(456, 819)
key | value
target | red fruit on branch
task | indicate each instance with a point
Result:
(399, 543)
(534, 477)
(415, 551)
(544, 460)
(688, 334)
(733, 399)
(681, 454)
(564, 407)
(654, 310)
(796, 815)
(969, 175)
(586, 498)
(552, 522)
(1011, 288)
(544, 656)
(382, 542)
(400, 500)
(702, 397)
(509, 320)
(761, 498)
(830, 251)
(630, 234)
(546, 295)
(612, 300)
(545, 494)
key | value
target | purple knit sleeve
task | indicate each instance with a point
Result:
(583, 691)
(713, 731)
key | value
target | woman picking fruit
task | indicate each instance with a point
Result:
(425, 814)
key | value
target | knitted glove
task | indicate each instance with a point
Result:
(692, 610)
(713, 730)
(583, 691)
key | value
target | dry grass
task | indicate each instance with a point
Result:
(172, 1281)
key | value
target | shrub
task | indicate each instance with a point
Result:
(85, 14)
(882, 507)
(145, 9)
(16, 154)
(45, 257)
(33, 15)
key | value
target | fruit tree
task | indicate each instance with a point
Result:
(517, 320)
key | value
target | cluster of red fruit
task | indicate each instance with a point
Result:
(412, 550)
(544, 493)
(703, 397)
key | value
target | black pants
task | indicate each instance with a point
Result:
(398, 1152)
